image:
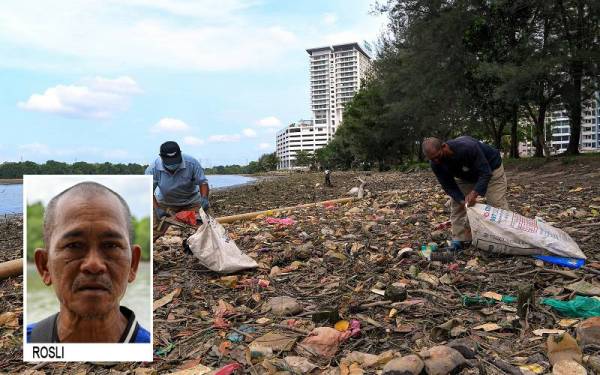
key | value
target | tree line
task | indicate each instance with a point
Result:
(18, 169)
(492, 69)
(12, 170)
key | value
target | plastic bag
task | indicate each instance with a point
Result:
(188, 217)
(578, 307)
(506, 232)
(215, 250)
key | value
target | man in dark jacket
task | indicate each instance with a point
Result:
(466, 168)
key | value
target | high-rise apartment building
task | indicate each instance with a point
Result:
(590, 126)
(335, 76)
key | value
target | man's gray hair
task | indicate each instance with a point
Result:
(87, 188)
(431, 142)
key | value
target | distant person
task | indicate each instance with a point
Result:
(89, 259)
(179, 184)
(328, 178)
(466, 168)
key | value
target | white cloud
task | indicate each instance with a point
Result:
(100, 99)
(79, 153)
(250, 133)
(193, 141)
(168, 124)
(269, 122)
(265, 146)
(206, 35)
(120, 85)
(329, 19)
(224, 138)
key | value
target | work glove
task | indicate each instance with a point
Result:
(160, 213)
(204, 203)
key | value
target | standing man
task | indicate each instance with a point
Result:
(466, 168)
(181, 184)
(328, 178)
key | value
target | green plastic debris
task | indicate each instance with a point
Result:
(165, 350)
(484, 301)
(578, 307)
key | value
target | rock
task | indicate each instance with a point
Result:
(441, 360)
(465, 346)
(563, 347)
(334, 257)
(369, 360)
(568, 367)
(584, 288)
(282, 306)
(594, 363)
(588, 332)
(299, 365)
(408, 365)
(438, 235)
(395, 293)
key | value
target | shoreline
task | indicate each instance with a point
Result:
(11, 181)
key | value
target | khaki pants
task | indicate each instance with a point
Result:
(171, 210)
(495, 196)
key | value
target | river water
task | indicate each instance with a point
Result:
(11, 196)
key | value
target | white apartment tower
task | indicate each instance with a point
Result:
(590, 127)
(335, 76)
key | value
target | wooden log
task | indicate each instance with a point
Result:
(11, 268)
(252, 215)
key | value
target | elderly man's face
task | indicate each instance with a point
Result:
(88, 260)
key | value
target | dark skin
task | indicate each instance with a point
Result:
(89, 262)
(436, 156)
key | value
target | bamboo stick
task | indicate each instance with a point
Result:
(252, 215)
(11, 268)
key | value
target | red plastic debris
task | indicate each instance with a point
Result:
(229, 369)
(188, 217)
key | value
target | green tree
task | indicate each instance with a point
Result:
(303, 158)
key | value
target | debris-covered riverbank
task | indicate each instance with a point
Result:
(336, 293)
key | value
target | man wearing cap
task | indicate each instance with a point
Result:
(179, 183)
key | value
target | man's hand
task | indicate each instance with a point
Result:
(204, 203)
(471, 198)
(160, 213)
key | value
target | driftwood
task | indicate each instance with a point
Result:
(252, 215)
(11, 268)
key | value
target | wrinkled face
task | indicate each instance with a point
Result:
(89, 259)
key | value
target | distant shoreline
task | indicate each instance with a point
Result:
(11, 181)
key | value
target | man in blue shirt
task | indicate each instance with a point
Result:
(179, 184)
(88, 257)
(466, 169)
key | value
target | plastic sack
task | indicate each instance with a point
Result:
(578, 307)
(215, 250)
(506, 232)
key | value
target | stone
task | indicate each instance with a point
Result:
(395, 293)
(465, 346)
(588, 332)
(563, 347)
(334, 257)
(441, 360)
(283, 306)
(438, 235)
(408, 365)
(568, 367)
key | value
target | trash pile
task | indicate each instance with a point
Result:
(347, 289)
(366, 287)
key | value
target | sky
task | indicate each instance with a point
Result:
(110, 80)
(136, 190)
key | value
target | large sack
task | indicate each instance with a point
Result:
(506, 232)
(215, 250)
